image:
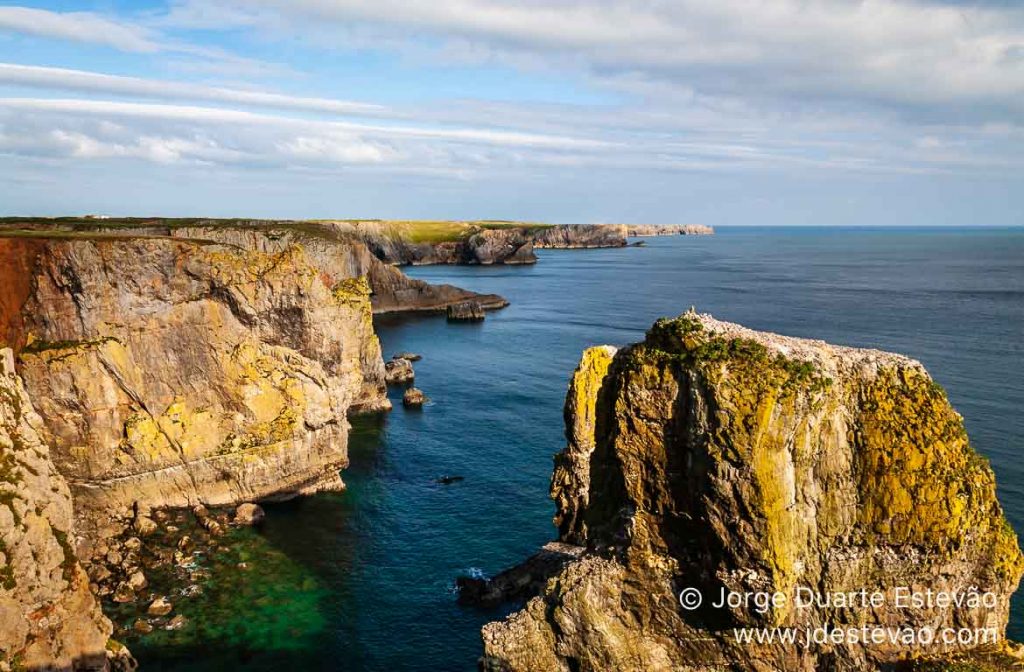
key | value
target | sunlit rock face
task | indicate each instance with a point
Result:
(715, 457)
(48, 617)
(173, 371)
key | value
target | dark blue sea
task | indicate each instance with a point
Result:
(378, 561)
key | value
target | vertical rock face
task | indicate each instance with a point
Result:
(173, 371)
(576, 236)
(718, 458)
(48, 617)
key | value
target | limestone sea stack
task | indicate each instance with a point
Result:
(718, 459)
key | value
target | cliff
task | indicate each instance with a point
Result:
(476, 243)
(173, 371)
(48, 617)
(338, 246)
(640, 230)
(717, 458)
(580, 236)
(427, 243)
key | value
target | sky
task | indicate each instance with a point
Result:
(721, 112)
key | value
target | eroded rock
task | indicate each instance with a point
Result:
(414, 398)
(716, 458)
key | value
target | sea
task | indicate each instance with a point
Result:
(363, 580)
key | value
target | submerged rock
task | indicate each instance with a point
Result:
(161, 606)
(469, 311)
(448, 480)
(398, 371)
(176, 623)
(714, 458)
(411, 356)
(414, 398)
(249, 514)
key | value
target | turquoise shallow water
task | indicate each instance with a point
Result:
(376, 563)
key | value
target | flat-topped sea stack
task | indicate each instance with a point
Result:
(716, 459)
(641, 230)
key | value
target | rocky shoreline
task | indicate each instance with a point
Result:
(161, 379)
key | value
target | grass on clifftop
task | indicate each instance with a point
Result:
(416, 231)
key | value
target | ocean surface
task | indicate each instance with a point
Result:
(362, 580)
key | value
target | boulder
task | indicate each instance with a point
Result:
(398, 371)
(249, 514)
(161, 606)
(411, 356)
(414, 398)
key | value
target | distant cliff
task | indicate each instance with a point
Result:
(477, 243)
(717, 458)
(639, 230)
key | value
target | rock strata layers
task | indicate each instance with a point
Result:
(640, 230)
(48, 617)
(172, 372)
(581, 236)
(716, 458)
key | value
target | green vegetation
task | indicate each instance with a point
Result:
(425, 231)
(68, 563)
(59, 350)
(7, 580)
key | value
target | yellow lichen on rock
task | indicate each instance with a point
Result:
(726, 459)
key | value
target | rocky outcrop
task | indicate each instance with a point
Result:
(715, 458)
(395, 292)
(414, 398)
(468, 311)
(398, 371)
(580, 236)
(461, 243)
(48, 618)
(639, 230)
(172, 371)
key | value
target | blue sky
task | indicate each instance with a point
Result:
(827, 112)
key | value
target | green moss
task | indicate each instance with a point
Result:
(7, 580)
(68, 563)
(7, 499)
(39, 346)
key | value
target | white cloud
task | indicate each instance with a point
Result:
(892, 53)
(79, 80)
(78, 27)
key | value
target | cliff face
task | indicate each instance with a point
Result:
(173, 371)
(718, 458)
(476, 245)
(391, 291)
(48, 617)
(579, 236)
(639, 230)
